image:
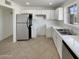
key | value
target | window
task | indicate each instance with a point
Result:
(73, 9)
(72, 13)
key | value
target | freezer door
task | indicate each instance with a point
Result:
(22, 17)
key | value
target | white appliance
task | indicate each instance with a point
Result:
(21, 28)
(67, 53)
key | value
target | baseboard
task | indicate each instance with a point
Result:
(7, 37)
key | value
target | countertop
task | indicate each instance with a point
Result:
(71, 40)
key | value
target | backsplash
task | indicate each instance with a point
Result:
(55, 23)
(74, 28)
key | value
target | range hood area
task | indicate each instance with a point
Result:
(41, 16)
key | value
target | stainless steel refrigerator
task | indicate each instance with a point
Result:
(23, 27)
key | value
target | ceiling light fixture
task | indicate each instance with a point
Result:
(27, 3)
(50, 3)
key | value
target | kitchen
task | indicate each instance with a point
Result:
(58, 22)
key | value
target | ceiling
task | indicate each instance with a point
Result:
(41, 3)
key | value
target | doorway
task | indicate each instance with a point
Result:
(6, 23)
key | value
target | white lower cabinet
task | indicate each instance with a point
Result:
(48, 32)
(59, 46)
(58, 42)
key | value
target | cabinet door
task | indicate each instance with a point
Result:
(55, 38)
(52, 14)
(58, 43)
(48, 14)
(59, 46)
(56, 14)
(59, 14)
(54, 35)
(48, 32)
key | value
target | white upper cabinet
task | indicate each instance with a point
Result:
(59, 14)
(52, 14)
(49, 14)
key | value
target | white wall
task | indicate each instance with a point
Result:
(39, 27)
(35, 10)
(16, 10)
(19, 9)
(39, 24)
(68, 2)
(6, 23)
(0, 24)
(74, 28)
(65, 6)
(43, 27)
(48, 12)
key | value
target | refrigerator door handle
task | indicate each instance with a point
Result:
(27, 23)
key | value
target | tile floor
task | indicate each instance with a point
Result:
(39, 48)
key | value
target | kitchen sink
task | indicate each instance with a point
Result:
(65, 32)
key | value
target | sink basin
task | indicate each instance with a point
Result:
(65, 32)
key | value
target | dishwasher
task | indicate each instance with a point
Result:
(67, 53)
